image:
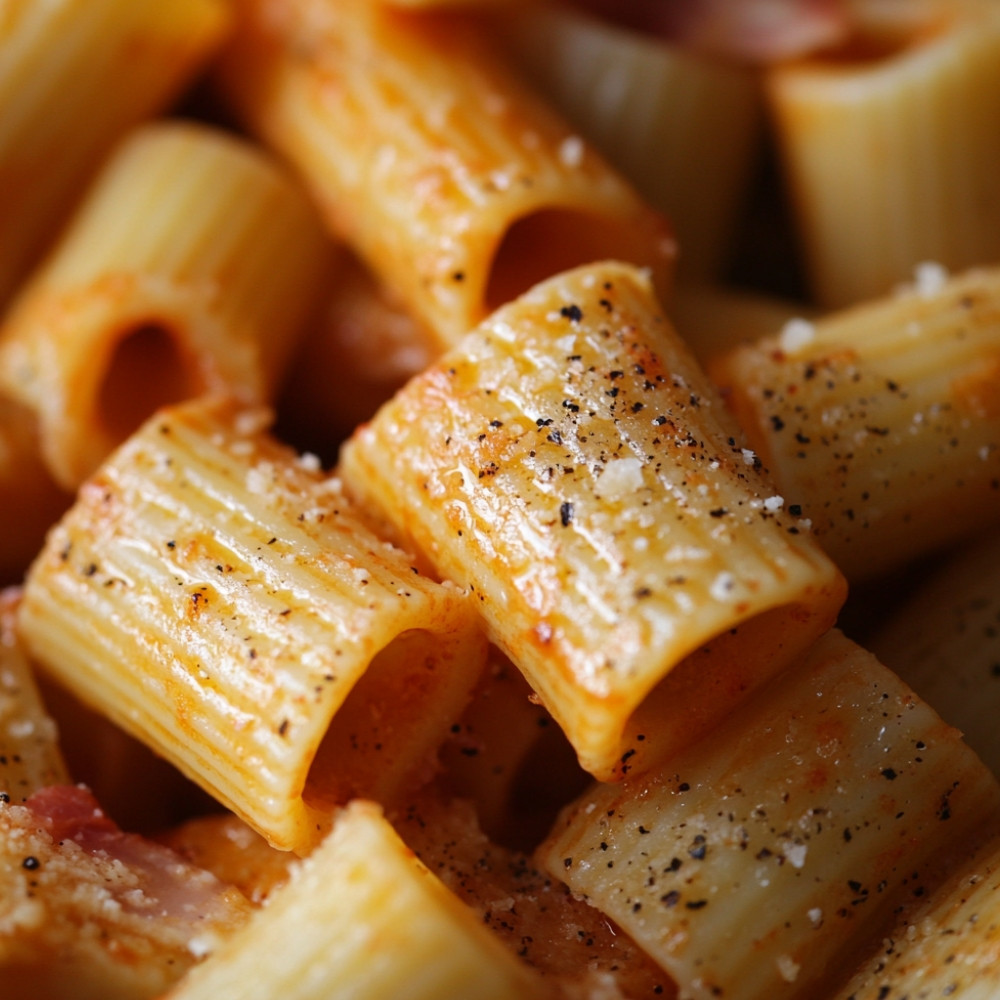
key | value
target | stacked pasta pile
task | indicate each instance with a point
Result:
(427, 575)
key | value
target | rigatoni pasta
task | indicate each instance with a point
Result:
(764, 860)
(192, 266)
(455, 184)
(570, 464)
(363, 917)
(683, 128)
(889, 154)
(565, 481)
(880, 422)
(220, 599)
(63, 103)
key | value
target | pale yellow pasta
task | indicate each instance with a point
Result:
(363, 918)
(880, 422)
(29, 747)
(457, 186)
(570, 464)
(191, 266)
(74, 76)
(889, 158)
(942, 946)
(220, 599)
(762, 861)
(683, 128)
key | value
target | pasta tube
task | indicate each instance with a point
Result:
(63, 103)
(570, 464)
(684, 129)
(30, 758)
(456, 186)
(220, 599)
(766, 859)
(191, 266)
(943, 946)
(880, 422)
(362, 917)
(889, 159)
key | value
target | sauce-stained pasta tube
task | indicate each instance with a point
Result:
(222, 601)
(192, 265)
(880, 422)
(363, 917)
(944, 945)
(570, 463)
(763, 860)
(683, 128)
(455, 184)
(63, 102)
(889, 155)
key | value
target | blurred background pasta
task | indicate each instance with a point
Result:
(499, 499)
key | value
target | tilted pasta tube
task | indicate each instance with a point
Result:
(890, 159)
(455, 184)
(74, 76)
(764, 860)
(191, 266)
(881, 421)
(222, 601)
(942, 946)
(683, 128)
(570, 463)
(362, 917)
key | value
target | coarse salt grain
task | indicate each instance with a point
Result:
(795, 334)
(788, 968)
(620, 477)
(571, 151)
(722, 586)
(929, 277)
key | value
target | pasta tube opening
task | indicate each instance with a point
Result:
(147, 371)
(371, 728)
(547, 242)
(192, 246)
